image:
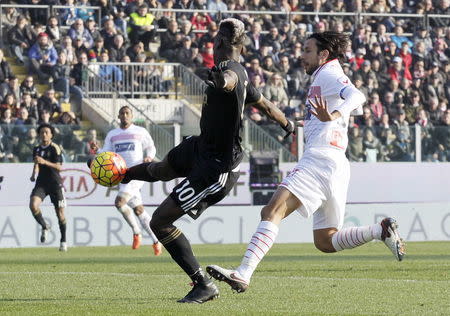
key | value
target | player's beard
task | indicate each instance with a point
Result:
(310, 70)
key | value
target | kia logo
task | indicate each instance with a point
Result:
(78, 183)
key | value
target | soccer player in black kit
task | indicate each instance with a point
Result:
(47, 163)
(209, 162)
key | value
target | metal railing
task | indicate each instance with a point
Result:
(164, 139)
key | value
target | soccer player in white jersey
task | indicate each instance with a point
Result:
(318, 184)
(131, 142)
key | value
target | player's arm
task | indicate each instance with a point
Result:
(34, 172)
(274, 113)
(353, 100)
(149, 149)
(41, 161)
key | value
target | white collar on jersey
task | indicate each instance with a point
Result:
(325, 64)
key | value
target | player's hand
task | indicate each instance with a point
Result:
(320, 109)
(33, 178)
(148, 159)
(289, 128)
(40, 160)
(215, 78)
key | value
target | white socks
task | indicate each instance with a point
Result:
(262, 240)
(145, 218)
(352, 237)
(127, 213)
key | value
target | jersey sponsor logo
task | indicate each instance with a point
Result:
(124, 147)
(77, 184)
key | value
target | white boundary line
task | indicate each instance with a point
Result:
(256, 277)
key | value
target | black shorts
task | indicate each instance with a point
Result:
(55, 191)
(206, 182)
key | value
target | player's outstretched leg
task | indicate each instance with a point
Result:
(386, 231)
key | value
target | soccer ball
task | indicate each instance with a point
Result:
(108, 169)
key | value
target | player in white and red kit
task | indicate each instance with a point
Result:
(132, 142)
(318, 184)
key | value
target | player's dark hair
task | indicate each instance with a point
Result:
(126, 107)
(232, 30)
(46, 125)
(334, 42)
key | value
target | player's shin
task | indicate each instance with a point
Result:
(145, 218)
(62, 229)
(351, 237)
(139, 172)
(180, 250)
(38, 217)
(128, 215)
(261, 242)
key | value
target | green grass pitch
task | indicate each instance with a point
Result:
(293, 279)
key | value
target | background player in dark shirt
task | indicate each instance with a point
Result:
(47, 163)
(210, 162)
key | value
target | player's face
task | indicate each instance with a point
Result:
(125, 117)
(46, 135)
(310, 56)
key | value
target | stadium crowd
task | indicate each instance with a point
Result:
(401, 64)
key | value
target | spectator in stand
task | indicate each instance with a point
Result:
(43, 57)
(134, 51)
(9, 18)
(210, 36)
(272, 39)
(49, 103)
(24, 150)
(216, 5)
(78, 31)
(142, 26)
(200, 21)
(268, 67)
(5, 69)
(88, 142)
(118, 49)
(422, 36)
(81, 10)
(362, 120)
(21, 38)
(442, 7)
(91, 26)
(359, 57)
(376, 107)
(255, 70)
(27, 86)
(98, 48)
(186, 30)
(30, 104)
(398, 38)
(170, 41)
(108, 32)
(405, 55)
(22, 123)
(366, 73)
(67, 16)
(391, 52)
(434, 88)
(439, 53)
(10, 102)
(133, 6)
(274, 91)
(60, 74)
(185, 54)
(66, 47)
(397, 70)
(52, 29)
(10, 87)
(371, 145)
(79, 47)
(110, 73)
(207, 55)
(355, 149)
(44, 117)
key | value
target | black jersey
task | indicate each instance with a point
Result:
(222, 115)
(46, 174)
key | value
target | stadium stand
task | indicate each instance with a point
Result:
(399, 57)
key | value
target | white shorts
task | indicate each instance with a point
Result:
(320, 181)
(131, 191)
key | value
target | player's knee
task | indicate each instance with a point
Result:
(119, 202)
(270, 213)
(34, 207)
(138, 210)
(324, 245)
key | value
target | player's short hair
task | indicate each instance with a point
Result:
(126, 107)
(232, 30)
(334, 42)
(46, 125)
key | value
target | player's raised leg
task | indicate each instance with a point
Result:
(127, 213)
(280, 206)
(180, 250)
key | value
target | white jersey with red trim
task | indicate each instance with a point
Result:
(329, 82)
(130, 143)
